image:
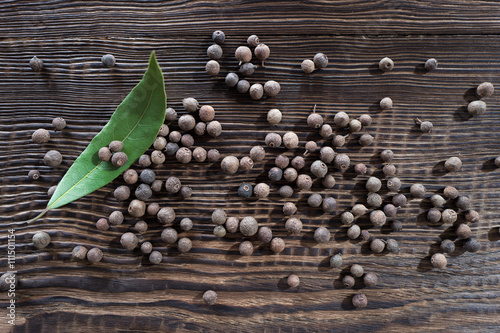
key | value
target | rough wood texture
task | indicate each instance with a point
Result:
(124, 292)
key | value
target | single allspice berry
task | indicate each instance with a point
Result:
(387, 156)
(417, 190)
(232, 224)
(119, 159)
(399, 200)
(357, 270)
(359, 301)
(245, 190)
(389, 170)
(40, 136)
(386, 64)
(130, 176)
(146, 247)
(293, 226)
(314, 200)
(485, 89)
(290, 140)
(354, 231)
(447, 246)
(365, 235)
(104, 154)
(52, 158)
(277, 245)
(298, 162)
(213, 155)
(262, 52)
(231, 79)
(137, 208)
(249, 226)
(219, 216)
(230, 164)
(200, 128)
(463, 202)
(246, 163)
(425, 126)
(116, 217)
(373, 184)
(366, 139)
(246, 248)
(115, 146)
(285, 191)
(463, 231)
(261, 190)
(219, 231)
(79, 252)
(377, 245)
(378, 218)
(58, 123)
(341, 119)
(392, 245)
(341, 162)
(472, 245)
(210, 297)
(348, 281)
(397, 225)
(186, 224)
(169, 235)
(212, 68)
(129, 241)
(243, 86)
(108, 60)
(144, 161)
(449, 216)
(450, 192)
(326, 154)
(393, 184)
(275, 174)
(293, 281)
(143, 192)
(214, 128)
(281, 161)
(214, 52)
(472, 216)
(141, 227)
(437, 200)
(365, 119)
(431, 64)
(453, 164)
(187, 140)
(184, 245)
(273, 140)
(102, 224)
(218, 36)
(336, 261)
(272, 88)
(359, 210)
(36, 64)
(253, 40)
(175, 136)
(274, 116)
(199, 154)
(94, 255)
(434, 215)
(183, 155)
(256, 91)
(386, 103)
(347, 218)
(34, 174)
(258, 153)
(170, 115)
(155, 257)
(374, 200)
(438, 260)
(243, 54)
(355, 126)
(153, 208)
(328, 181)
(173, 184)
(319, 169)
(315, 120)
(329, 205)
(370, 279)
(122, 193)
(322, 235)
(360, 169)
(476, 108)
(304, 182)
(390, 210)
(307, 66)
(190, 104)
(310, 146)
(265, 234)
(41, 239)
(247, 69)
(320, 60)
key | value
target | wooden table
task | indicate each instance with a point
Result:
(126, 293)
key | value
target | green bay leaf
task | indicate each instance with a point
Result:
(136, 122)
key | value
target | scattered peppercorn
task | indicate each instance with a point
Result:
(399, 200)
(232, 224)
(374, 200)
(389, 170)
(450, 192)
(102, 224)
(34, 174)
(212, 68)
(40, 136)
(261, 190)
(41, 239)
(298, 162)
(304, 182)
(187, 140)
(277, 245)
(328, 181)
(219, 231)
(272, 88)
(417, 190)
(246, 248)
(307, 66)
(360, 169)
(247, 69)
(370, 279)
(347, 218)
(94, 255)
(253, 40)
(166, 215)
(357, 270)
(116, 217)
(366, 139)
(485, 89)
(336, 261)
(322, 235)
(129, 241)
(184, 155)
(214, 128)
(155, 257)
(200, 128)
(169, 235)
(377, 245)
(119, 159)
(449, 216)
(243, 54)
(348, 281)
(243, 86)
(315, 200)
(354, 231)
(463, 231)
(170, 115)
(393, 184)
(232, 79)
(453, 164)
(365, 235)
(289, 208)
(476, 108)
(315, 120)
(265, 234)
(108, 60)
(104, 154)
(156, 186)
(320, 60)
(219, 216)
(293, 225)
(392, 245)
(293, 281)
(373, 184)
(431, 64)
(359, 301)
(319, 169)
(396, 225)
(378, 218)
(359, 210)
(184, 245)
(175, 136)
(274, 116)
(447, 246)
(341, 119)
(213, 156)
(434, 215)
(355, 126)
(310, 146)
(290, 140)
(472, 245)
(258, 153)
(245, 190)
(143, 192)
(218, 36)
(437, 200)
(386, 64)
(438, 260)
(275, 174)
(122, 193)
(390, 210)
(52, 158)
(326, 154)
(146, 247)
(341, 162)
(329, 205)
(425, 126)
(281, 161)
(141, 227)
(58, 123)
(256, 91)
(210, 297)
(36, 64)
(51, 190)
(262, 52)
(214, 52)
(249, 226)
(463, 202)
(285, 191)
(472, 216)
(145, 161)
(79, 252)
(153, 208)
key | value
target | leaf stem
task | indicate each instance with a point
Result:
(39, 215)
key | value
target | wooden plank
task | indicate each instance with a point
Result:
(124, 292)
(41, 20)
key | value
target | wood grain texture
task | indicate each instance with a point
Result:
(125, 292)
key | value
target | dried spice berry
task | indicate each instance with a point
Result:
(329, 205)
(213, 155)
(485, 89)
(232, 224)
(359, 210)
(246, 163)
(169, 235)
(390, 210)
(155, 257)
(392, 245)
(450, 192)
(141, 227)
(143, 192)
(327, 154)
(147, 175)
(472, 216)
(184, 155)
(219, 216)
(386, 64)
(417, 190)
(256, 91)
(122, 193)
(40, 136)
(210, 297)
(257, 153)
(94, 255)
(243, 54)
(262, 52)
(285, 191)
(315, 120)
(370, 279)
(463, 231)
(34, 174)
(214, 52)
(214, 128)
(365, 235)
(219, 231)
(108, 60)
(386, 103)
(322, 235)
(186, 224)
(272, 88)
(102, 224)
(378, 218)
(187, 140)
(281, 161)
(145, 161)
(79, 252)
(153, 208)
(52, 158)
(314, 200)
(253, 40)
(290, 140)
(320, 60)
(387, 155)
(447, 246)
(328, 181)
(389, 170)
(246, 248)
(247, 69)
(359, 301)
(399, 200)
(265, 234)
(354, 231)
(434, 215)
(277, 245)
(58, 123)
(463, 202)
(200, 128)
(431, 64)
(453, 164)
(476, 108)
(41, 239)
(366, 139)
(175, 136)
(365, 119)
(396, 225)
(273, 140)
(187, 121)
(310, 146)
(319, 169)
(190, 104)
(51, 190)
(170, 115)
(336, 261)
(156, 186)
(199, 154)
(245, 190)
(293, 281)
(374, 200)
(425, 126)
(449, 216)
(166, 215)
(231, 79)
(347, 218)
(360, 169)
(438, 260)
(274, 116)
(212, 68)
(377, 245)
(341, 119)
(218, 36)
(357, 270)
(355, 126)
(373, 184)
(130, 176)
(472, 245)
(307, 66)
(230, 164)
(261, 190)
(146, 247)
(293, 225)
(341, 162)
(173, 184)
(129, 241)
(298, 162)
(119, 159)
(36, 64)
(115, 146)
(393, 184)
(304, 182)
(275, 174)
(184, 245)
(348, 281)
(437, 200)
(243, 86)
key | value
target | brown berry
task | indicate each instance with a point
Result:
(354, 231)
(274, 116)
(434, 215)
(373, 184)
(184, 245)
(94, 255)
(290, 140)
(447, 246)
(130, 176)
(186, 224)
(219, 216)
(171, 114)
(359, 301)
(450, 192)
(293, 225)
(169, 235)
(155, 257)
(472, 216)
(153, 208)
(232, 224)
(366, 140)
(399, 200)
(186, 192)
(315, 120)
(213, 156)
(272, 88)
(52, 158)
(164, 130)
(377, 245)
(256, 91)
(348, 281)
(322, 235)
(417, 190)
(285, 191)
(141, 227)
(102, 224)
(304, 182)
(116, 217)
(230, 165)
(476, 108)
(212, 68)
(386, 64)
(289, 208)
(438, 260)
(293, 281)
(329, 205)
(246, 248)
(210, 297)
(119, 159)
(137, 208)
(328, 181)
(129, 241)
(184, 155)
(320, 60)
(214, 128)
(262, 52)
(341, 119)
(265, 234)
(463, 231)
(370, 279)
(261, 190)
(36, 64)
(449, 216)
(327, 154)
(249, 226)
(307, 66)
(122, 193)
(59, 124)
(277, 245)
(378, 218)
(359, 210)
(34, 174)
(453, 164)
(79, 252)
(360, 169)
(146, 247)
(246, 163)
(463, 202)
(485, 89)
(374, 200)
(41, 239)
(341, 162)
(144, 161)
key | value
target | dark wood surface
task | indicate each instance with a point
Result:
(124, 292)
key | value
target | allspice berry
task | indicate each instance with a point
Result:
(262, 52)
(184, 245)
(285, 191)
(472, 216)
(463, 202)
(129, 241)
(245, 190)
(326, 154)
(190, 104)
(187, 140)
(116, 217)
(272, 88)
(463, 231)
(319, 169)
(51, 190)
(387, 155)
(341, 162)
(273, 140)
(243, 86)
(172, 184)
(437, 200)
(399, 200)
(200, 128)
(41, 239)
(310, 146)
(315, 200)
(320, 60)
(34, 174)
(417, 190)
(219, 216)
(104, 154)
(315, 120)
(247, 69)
(289, 208)
(386, 103)
(329, 205)
(256, 91)
(253, 40)
(365, 120)
(199, 154)
(453, 164)
(373, 184)
(328, 181)
(214, 128)
(485, 89)
(52, 158)
(386, 64)
(212, 68)
(155, 257)
(108, 60)
(257, 153)
(218, 36)
(230, 164)
(378, 218)
(304, 182)
(36, 64)
(355, 126)
(365, 235)
(438, 260)
(472, 245)
(170, 115)
(213, 155)
(449, 216)
(274, 116)
(246, 163)
(119, 159)
(277, 245)
(447, 246)
(102, 224)
(40, 136)
(338, 140)
(141, 227)
(231, 79)
(293, 226)
(389, 170)
(214, 52)
(476, 108)
(122, 193)
(322, 235)
(431, 64)
(425, 126)
(261, 190)
(143, 192)
(243, 54)
(377, 245)
(144, 161)
(348, 281)
(246, 248)
(58, 123)
(153, 208)
(210, 297)
(281, 161)
(298, 162)
(450, 192)
(393, 184)
(130, 176)
(392, 245)
(359, 210)
(232, 224)
(359, 301)
(434, 215)
(374, 200)
(336, 261)
(169, 235)
(366, 139)
(370, 279)
(341, 119)
(347, 218)
(360, 169)
(137, 208)
(390, 210)
(249, 226)
(186, 224)
(94, 255)
(79, 252)
(307, 66)
(146, 247)
(357, 270)
(290, 140)
(265, 234)
(293, 281)
(354, 231)
(397, 225)
(183, 155)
